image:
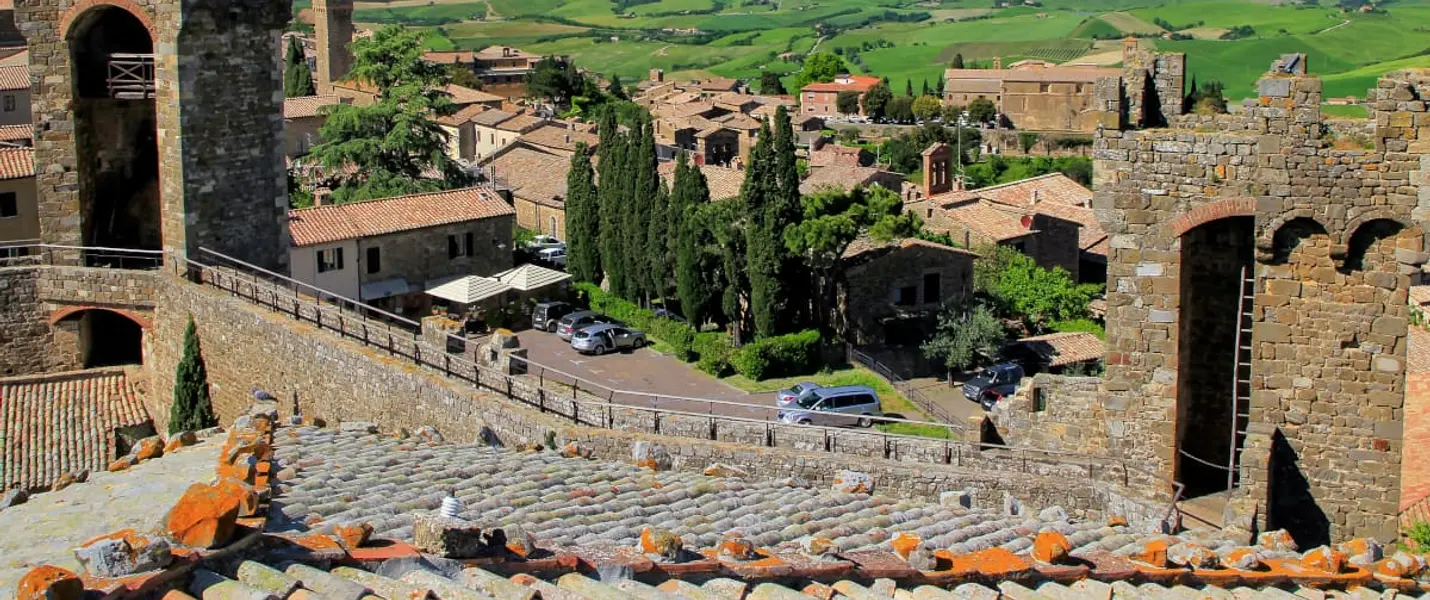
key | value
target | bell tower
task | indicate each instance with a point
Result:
(334, 25)
(159, 124)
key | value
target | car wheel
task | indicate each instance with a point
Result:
(551, 327)
(866, 422)
(599, 350)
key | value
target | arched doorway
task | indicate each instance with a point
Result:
(1214, 354)
(100, 338)
(112, 59)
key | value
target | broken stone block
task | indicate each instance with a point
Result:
(724, 470)
(574, 450)
(1325, 559)
(1242, 559)
(428, 434)
(447, 537)
(1053, 513)
(1012, 506)
(1277, 541)
(1051, 547)
(923, 559)
(246, 495)
(68, 479)
(1362, 552)
(180, 440)
(1192, 556)
(1117, 521)
(204, 517)
(352, 535)
(13, 498)
(49, 582)
(1403, 565)
(1152, 553)
(818, 547)
(519, 541)
(660, 544)
(123, 553)
(120, 464)
(956, 499)
(735, 547)
(148, 448)
(651, 455)
(853, 482)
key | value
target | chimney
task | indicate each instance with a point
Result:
(657, 75)
(322, 197)
(938, 169)
(568, 140)
(505, 51)
(1035, 197)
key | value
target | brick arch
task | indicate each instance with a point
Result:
(1379, 213)
(133, 8)
(61, 314)
(1211, 211)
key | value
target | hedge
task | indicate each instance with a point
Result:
(779, 356)
(714, 350)
(679, 336)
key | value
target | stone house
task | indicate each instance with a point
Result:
(461, 132)
(1056, 352)
(822, 99)
(302, 119)
(848, 178)
(384, 252)
(496, 129)
(19, 213)
(890, 293)
(559, 137)
(834, 155)
(534, 182)
(15, 95)
(502, 69)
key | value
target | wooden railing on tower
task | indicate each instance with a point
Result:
(131, 76)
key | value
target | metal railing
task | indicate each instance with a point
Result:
(585, 402)
(33, 253)
(904, 386)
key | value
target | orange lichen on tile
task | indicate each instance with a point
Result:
(382, 550)
(149, 448)
(317, 542)
(49, 582)
(204, 517)
(1325, 559)
(905, 543)
(248, 498)
(736, 547)
(993, 562)
(1117, 521)
(1152, 553)
(352, 536)
(1051, 547)
(819, 591)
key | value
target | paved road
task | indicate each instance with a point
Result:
(644, 371)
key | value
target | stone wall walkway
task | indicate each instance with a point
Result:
(46, 529)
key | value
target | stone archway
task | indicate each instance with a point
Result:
(100, 337)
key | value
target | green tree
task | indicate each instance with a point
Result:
(464, 76)
(1026, 141)
(926, 90)
(659, 254)
(784, 212)
(611, 199)
(297, 77)
(940, 85)
(951, 113)
(876, 100)
(555, 80)
(583, 226)
(617, 90)
(900, 110)
(641, 164)
(926, 107)
(909, 88)
(820, 67)
(771, 85)
(1017, 288)
(957, 61)
(1209, 99)
(982, 110)
(763, 250)
(386, 148)
(191, 410)
(968, 335)
(694, 262)
(847, 103)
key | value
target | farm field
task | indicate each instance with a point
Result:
(914, 40)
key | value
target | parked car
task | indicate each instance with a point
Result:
(546, 315)
(542, 242)
(553, 256)
(835, 406)
(666, 313)
(600, 339)
(786, 398)
(579, 320)
(993, 383)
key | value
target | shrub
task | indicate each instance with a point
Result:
(1419, 533)
(679, 336)
(714, 350)
(779, 356)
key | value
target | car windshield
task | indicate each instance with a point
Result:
(807, 400)
(582, 335)
(798, 388)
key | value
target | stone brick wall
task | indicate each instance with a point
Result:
(1337, 238)
(1059, 413)
(33, 296)
(422, 255)
(868, 288)
(22, 323)
(340, 380)
(1056, 244)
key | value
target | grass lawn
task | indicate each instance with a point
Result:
(1355, 82)
(1348, 111)
(893, 402)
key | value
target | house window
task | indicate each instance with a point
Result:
(374, 260)
(14, 252)
(906, 296)
(330, 260)
(9, 207)
(9, 103)
(932, 291)
(553, 226)
(459, 246)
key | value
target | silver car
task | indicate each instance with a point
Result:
(600, 339)
(786, 398)
(576, 321)
(835, 407)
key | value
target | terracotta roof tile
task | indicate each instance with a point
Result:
(830, 155)
(845, 177)
(987, 220)
(463, 115)
(559, 137)
(533, 175)
(864, 244)
(1053, 187)
(466, 95)
(307, 106)
(1417, 352)
(521, 123)
(1090, 237)
(492, 118)
(718, 84)
(16, 133)
(21, 58)
(856, 83)
(61, 423)
(15, 78)
(17, 163)
(491, 52)
(1060, 349)
(724, 182)
(335, 222)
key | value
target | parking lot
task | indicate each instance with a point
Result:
(645, 371)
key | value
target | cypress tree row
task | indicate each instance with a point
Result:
(191, 409)
(694, 274)
(763, 243)
(641, 172)
(787, 210)
(660, 257)
(583, 226)
(611, 201)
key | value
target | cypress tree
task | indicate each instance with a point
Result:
(926, 90)
(297, 77)
(191, 410)
(611, 204)
(689, 196)
(641, 167)
(785, 211)
(660, 260)
(909, 88)
(763, 242)
(583, 226)
(940, 86)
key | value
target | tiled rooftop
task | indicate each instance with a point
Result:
(1053, 187)
(865, 245)
(307, 106)
(724, 183)
(15, 78)
(466, 95)
(845, 178)
(336, 222)
(1061, 349)
(559, 137)
(17, 163)
(854, 83)
(63, 423)
(16, 133)
(533, 175)
(986, 219)
(521, 123)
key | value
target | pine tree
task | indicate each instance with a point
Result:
(940, 85)
(297, 77)
(909, 88)
(764, 244)
(957, 61)
(583, 226)
(191, 410)
(688, 198)
(612, 199)
(926, 90)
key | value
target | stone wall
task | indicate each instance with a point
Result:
(1059, 413)
(1337, 238)
(22, 323)
(33, 296)
(341, 380)
(868, 288)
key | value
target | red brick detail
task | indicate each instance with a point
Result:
(1414, 478)
(1212, 211)
(133, 8)
(68, 311)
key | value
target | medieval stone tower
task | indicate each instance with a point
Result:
(159, 124)
(1257, 297)
(334, 28)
